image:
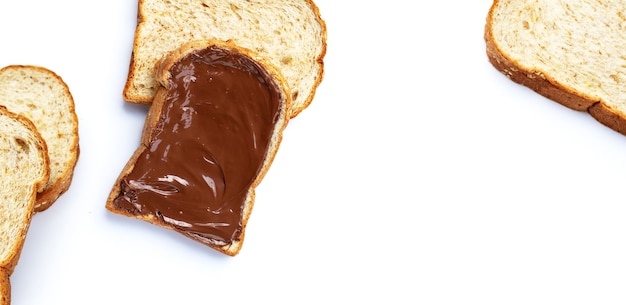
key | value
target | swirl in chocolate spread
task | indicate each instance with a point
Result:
(209, 145)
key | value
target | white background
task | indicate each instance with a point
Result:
(418, 175)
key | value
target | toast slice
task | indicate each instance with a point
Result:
(43, 97)
(209, 138)
(289, 33)
(24, 166)
(569, 51)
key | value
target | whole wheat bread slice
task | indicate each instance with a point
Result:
(24, 170)
(572, 52)
(154, 125)
(43, 97)
(289, 33)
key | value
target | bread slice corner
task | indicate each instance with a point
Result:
(568, 51)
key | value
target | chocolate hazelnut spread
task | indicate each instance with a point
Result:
(207, 148)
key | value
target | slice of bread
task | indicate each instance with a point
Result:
(569, 51)
(193, 161)
(43, 97)
(289, 33)
(24, 166)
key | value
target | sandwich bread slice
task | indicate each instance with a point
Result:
(24, 170)
(289, 33)
(43, 97)
(210, 136)
(569, 51)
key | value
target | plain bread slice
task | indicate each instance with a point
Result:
(290, 34)
(24, 166)
(569, 51)
(43, 97)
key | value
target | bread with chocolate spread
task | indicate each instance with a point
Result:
(210, 136)
(288, 33)
(569, 51)
(25, 168)
(44, 98)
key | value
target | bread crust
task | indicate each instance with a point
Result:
(546, 86)
(5, 287)
(49, 196)
(163, 75)
(130, 94)
(46, 198)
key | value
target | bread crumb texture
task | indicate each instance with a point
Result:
(578, 44)
(289, 33)
(42, 96)
(24, 168)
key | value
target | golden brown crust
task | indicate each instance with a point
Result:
(548, 87)
(126, 95)
(608, 117)
(162, 75)
(48, 197)
(8, 266)
(5, 287)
